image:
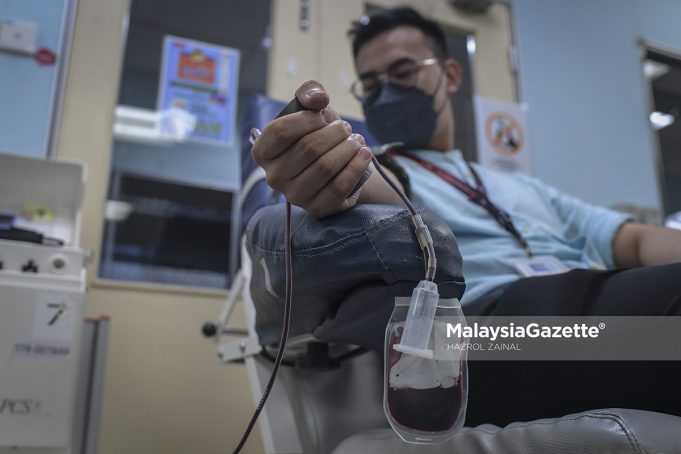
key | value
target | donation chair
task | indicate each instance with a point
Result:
(348, 269)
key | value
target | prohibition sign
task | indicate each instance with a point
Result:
(504, 133)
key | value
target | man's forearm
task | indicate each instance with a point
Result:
(645, 245)
(659, 245)
(376, 190)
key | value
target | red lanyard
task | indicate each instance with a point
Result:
(476, 195)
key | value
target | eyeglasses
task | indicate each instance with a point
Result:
(403, 73)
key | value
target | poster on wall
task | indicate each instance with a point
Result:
(200, 79)
(502, 135)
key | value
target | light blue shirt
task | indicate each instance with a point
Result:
(578, 234)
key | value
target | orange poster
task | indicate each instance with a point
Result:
(196, 67)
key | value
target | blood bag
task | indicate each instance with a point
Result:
(425, 397)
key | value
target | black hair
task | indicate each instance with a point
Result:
(380, 21)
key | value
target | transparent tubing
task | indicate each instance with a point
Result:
(425, 296)
(422, 232)
(419, 323)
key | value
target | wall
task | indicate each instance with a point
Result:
(27, 89)
(164, 391)
(323, 52)
(581, 75)
(659, 21)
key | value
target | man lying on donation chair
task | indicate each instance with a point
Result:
(605, 264)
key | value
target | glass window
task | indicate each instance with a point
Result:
(663, 72)
(171, 214)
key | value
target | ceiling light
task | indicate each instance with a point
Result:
(470, 44)
(660, 120)
(653, 69)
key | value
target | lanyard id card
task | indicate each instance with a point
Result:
(477, 195)
(542, 265)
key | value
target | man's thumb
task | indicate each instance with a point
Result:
(312, 96)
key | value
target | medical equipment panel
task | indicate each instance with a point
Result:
(42, 295)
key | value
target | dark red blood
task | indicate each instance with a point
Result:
(427, 410)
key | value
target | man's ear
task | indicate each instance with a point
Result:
(453, 71)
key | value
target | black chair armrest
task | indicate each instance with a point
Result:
(347, 270)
